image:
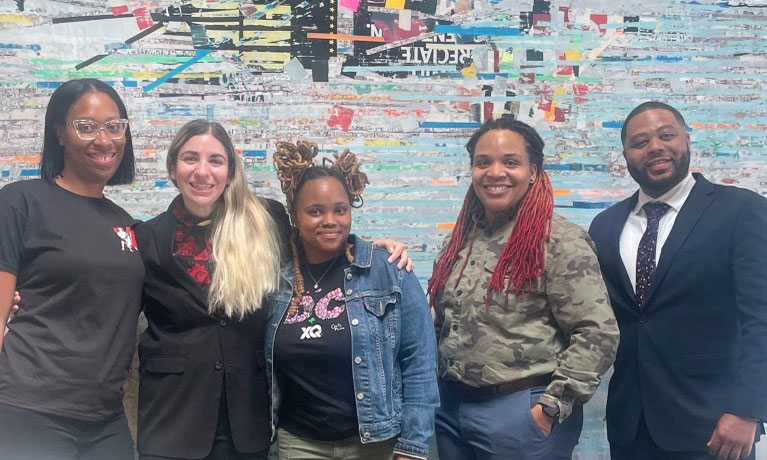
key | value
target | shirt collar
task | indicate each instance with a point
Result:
(674, 197)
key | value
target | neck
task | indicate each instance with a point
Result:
(80, 188)
(315, 259)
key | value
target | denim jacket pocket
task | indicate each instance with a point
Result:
(378, 306)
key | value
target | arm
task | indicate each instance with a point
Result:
(7, 288)
(417, 358)
(734, 434)
(579, 303)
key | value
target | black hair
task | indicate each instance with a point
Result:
(644, 107)
(52, 162)
(533, 142)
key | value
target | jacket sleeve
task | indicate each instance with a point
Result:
(749, 270)
(417, 358)
(579, 304)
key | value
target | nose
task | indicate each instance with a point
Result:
(495, 169)
(202, 169)
(102, 138)
(654, 144)
(328, 219)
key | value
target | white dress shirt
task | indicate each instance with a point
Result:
(636, 224)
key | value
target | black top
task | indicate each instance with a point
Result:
(193, 363)
(79, 273)
(313, 359)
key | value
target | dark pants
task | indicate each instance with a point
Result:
(501, 427)
(222, 450)
(30, 435)
(644, 448)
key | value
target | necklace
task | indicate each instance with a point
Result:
(317, 281)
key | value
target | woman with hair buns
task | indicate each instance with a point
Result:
(524, 325)
(349, 350)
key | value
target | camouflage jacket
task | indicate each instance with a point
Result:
(563, 327)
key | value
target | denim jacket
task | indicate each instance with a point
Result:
(393, 350)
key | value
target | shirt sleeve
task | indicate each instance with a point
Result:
(12, 224)
(580, 306)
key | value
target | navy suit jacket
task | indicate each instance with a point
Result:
(698, 349)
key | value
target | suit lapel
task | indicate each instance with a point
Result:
(693, 208)
(164, 240)
(622, 211)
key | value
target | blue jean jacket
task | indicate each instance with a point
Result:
(393, 350)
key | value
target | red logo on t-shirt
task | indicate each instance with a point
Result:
(127, 238)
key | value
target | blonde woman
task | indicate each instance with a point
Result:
(210, 259)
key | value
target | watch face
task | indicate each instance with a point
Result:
(550, 411)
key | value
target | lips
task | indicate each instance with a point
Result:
(658, 164)
(103, 159)
(497, 189)
(197, 187)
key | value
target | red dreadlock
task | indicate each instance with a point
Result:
(523, 256)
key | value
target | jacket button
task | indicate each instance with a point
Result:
(348, 276)
(455, 327)
(348, 292)
(366, 435)
(459, 292)
(222, 323)
(360, 396)
(355, 322)
(642, 319)
(357, 360)
(218, 365)
(451, 362)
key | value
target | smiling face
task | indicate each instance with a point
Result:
(657, 151)
(89, 164)
(501, 171)
(201, 173)
(322, 215)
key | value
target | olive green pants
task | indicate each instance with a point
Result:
(291, 447)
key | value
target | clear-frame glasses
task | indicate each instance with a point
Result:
(89, 130)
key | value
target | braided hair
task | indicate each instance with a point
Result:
(523, 256)
(295, 167)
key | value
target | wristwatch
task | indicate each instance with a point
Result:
(551, 411)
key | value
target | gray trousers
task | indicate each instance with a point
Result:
(501, 427)
(292, 447)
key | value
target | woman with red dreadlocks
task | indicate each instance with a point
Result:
(523, 321)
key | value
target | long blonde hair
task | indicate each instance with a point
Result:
(245, 241)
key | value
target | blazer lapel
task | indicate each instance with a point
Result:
(693, 208)
(164, 240)
(622, 211)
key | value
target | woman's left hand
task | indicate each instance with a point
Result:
(543, 421)
(398, 250)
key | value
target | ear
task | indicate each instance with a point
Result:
(533, 173)
(172, 174)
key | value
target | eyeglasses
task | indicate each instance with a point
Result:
(89, 130)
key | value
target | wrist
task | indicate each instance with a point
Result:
(551, 412)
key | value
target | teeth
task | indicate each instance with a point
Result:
(497, 188)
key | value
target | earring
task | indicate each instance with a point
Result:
(532, 180)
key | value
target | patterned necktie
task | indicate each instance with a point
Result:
(646, 250)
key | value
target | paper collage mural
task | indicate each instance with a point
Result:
(402, 83)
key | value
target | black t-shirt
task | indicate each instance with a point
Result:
(313, 359)
(68, 350)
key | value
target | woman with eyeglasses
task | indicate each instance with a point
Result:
(72, 254)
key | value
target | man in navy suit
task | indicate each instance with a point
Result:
(685, 263)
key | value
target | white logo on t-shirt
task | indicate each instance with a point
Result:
(311, 332)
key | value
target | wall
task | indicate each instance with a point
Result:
(401, 83)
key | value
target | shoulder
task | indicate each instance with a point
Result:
(145, 230)
(25, 188)
(563, 231)
(568, 240)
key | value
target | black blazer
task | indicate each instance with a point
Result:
(699, 348)
(185, 354)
